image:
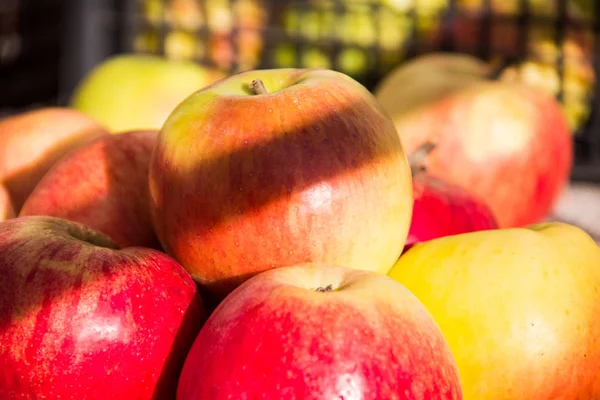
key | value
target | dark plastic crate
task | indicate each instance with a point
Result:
(91, 30)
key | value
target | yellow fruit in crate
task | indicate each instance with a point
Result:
(182, 45)
(285, 56)
(519, 308)
(138, 92)
(147, 42)
(357, 25)
(219, 16)
(315, 57)
(185, 14)
(540, 70)
(153, 11)
(352, 61)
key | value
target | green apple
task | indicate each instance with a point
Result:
(138, 92)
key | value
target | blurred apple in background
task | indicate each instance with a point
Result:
(308, 168)
(138, 92)
(519, 308)
(429, 78)
(508, 144)
(103, 185)
(80, 318)
(318, 331)
(32, 141)
(6, 208)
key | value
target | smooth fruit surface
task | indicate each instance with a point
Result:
(138, 92)
(508, 144)
(31, 142)
(80, 318)
(320, 332)
(441, 209)
(103, 185)
(519, 308)
(311, 171)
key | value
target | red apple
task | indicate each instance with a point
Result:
(316, 331)
(31, 142)
(80, 319)
(441, 209)
(307, 168)
(6, 208)
(103, 185)
(508, 144)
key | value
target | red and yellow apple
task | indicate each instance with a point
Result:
(31, 142)
(137, 92)
(320, 331)
(103, 185)
(81, 318)
(518, 306)
(508, 144)
(276, 167)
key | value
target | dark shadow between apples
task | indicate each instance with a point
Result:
(184, 339)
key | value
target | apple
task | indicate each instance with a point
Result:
(6, 208)
(81, 318)
(320, 331)
(428, 78)
(275, 167)
(441, 209)
(518, 306)
(137, 92)
(103, 185)
(32, 141)
(508, 144)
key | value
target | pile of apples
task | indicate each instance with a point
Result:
(288, 234)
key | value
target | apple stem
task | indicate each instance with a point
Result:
(417, 158)
(328, 288)
(258, 87)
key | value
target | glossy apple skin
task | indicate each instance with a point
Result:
(519, 308)
(507, 144)
(311, 172)
(103, 185)
(276, 337)
(31, 142)
(80, 319)
(6, 208)
(441, 210)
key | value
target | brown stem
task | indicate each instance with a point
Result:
(328, 288)
(258, 87)
(416, 159)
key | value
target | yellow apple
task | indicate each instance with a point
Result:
(138, 92)
(519, 308)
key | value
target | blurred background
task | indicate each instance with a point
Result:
(47, 46)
